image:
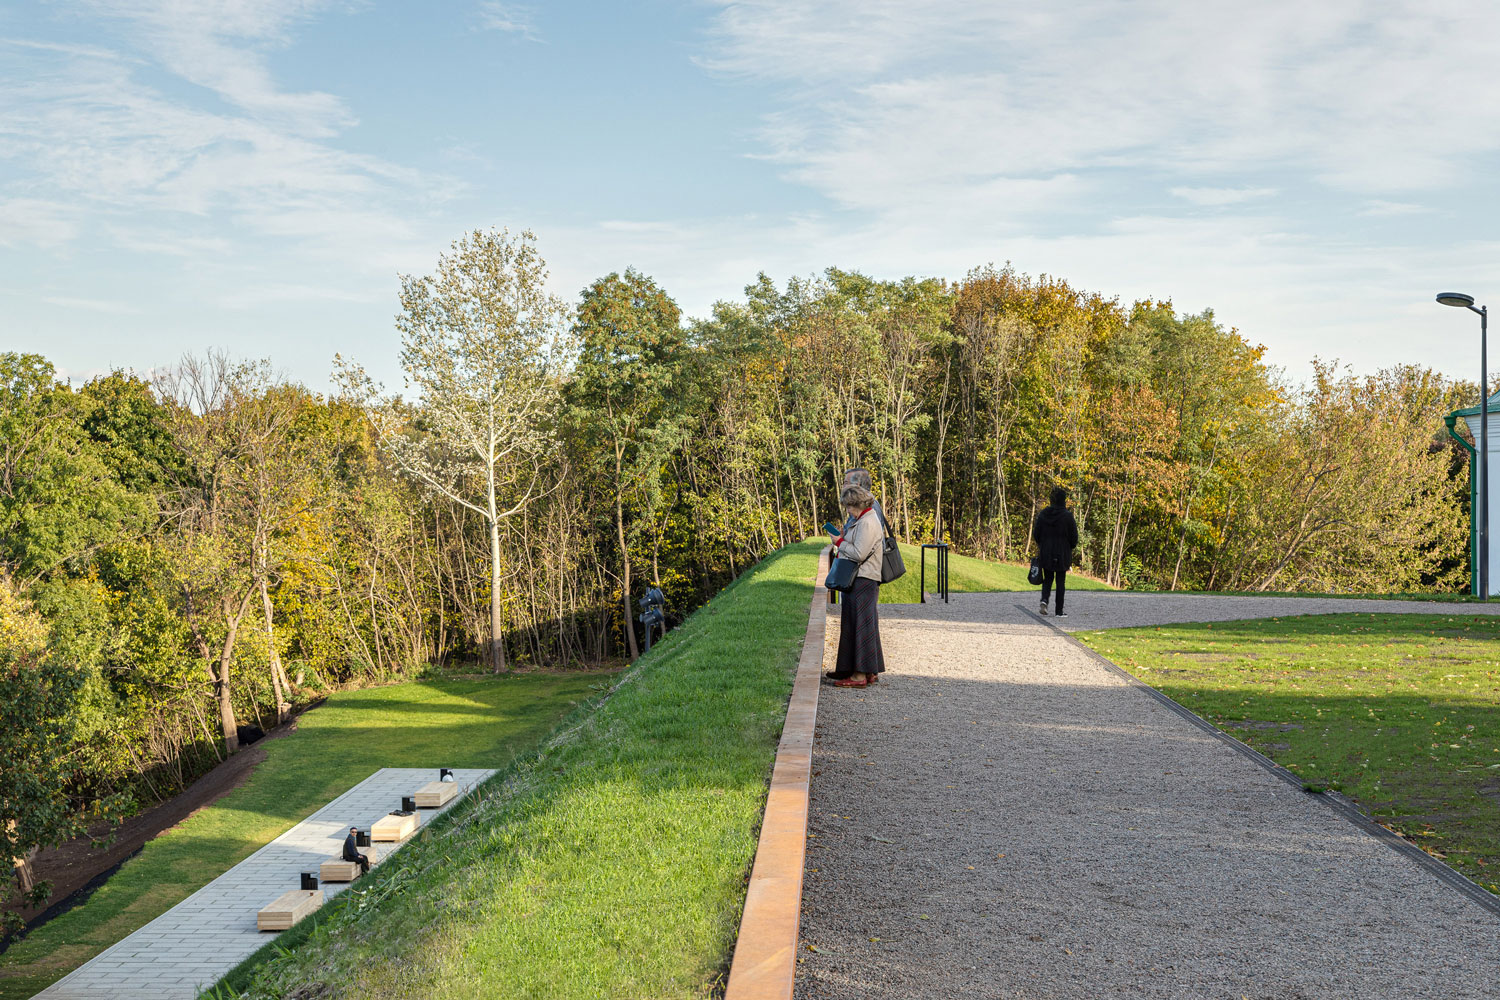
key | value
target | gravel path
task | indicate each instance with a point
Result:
(1005, 817)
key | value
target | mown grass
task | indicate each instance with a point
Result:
(453, 723)
(1439, 598)
(1399, 712)
(609, 864)
(967, 575)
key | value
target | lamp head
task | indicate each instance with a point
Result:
(1456, 299)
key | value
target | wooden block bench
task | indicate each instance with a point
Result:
(396, 828)
(336, 869)
(288, 908)
(435, 794)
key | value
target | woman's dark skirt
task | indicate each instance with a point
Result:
(859, 631)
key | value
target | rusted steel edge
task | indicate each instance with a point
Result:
(765, 954)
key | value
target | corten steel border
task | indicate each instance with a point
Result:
(765, 953)
(1340, 804)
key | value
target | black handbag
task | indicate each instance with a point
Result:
(1034, 575)
(841, 574)
(892, 566)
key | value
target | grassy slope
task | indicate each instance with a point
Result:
(610, 865)
(966, 575)
(457, 723)
(1399, 712)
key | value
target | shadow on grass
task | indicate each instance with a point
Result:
(1399, 712)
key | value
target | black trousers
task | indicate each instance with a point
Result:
(364, 863)
(1061, 576)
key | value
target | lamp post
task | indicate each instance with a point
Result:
(1460, 300)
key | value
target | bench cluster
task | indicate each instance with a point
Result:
(395, 828)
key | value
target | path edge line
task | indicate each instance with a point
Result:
(1334, 800)
(765, 951)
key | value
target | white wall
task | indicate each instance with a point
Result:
(1494, 428)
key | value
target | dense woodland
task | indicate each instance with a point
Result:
(188, 555)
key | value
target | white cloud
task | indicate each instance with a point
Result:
(92, 305)
(1382, 96)
(511, 18)
(94, 140)
(36, 222)
(1379, 208)
(954, 132)
(1212, 197)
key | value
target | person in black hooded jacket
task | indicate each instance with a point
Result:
(1056, 536)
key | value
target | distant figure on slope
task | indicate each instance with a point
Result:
(1056, 536)
(860, 660)
(351, 851)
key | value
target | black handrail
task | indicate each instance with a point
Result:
(942, 570)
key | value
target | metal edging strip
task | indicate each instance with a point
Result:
(765, 952)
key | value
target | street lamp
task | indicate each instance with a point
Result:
(1462, 301)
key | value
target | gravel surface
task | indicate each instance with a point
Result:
(1004, 817)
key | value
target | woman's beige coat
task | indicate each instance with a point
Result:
(864, 543)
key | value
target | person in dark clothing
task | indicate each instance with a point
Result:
(1056, 536)
(351, 851)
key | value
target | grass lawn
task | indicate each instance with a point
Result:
(1399, 712)
(967, 575)
(455, 723)
(1426, 595)
(611, 863)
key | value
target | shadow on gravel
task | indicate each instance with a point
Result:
(976, 837)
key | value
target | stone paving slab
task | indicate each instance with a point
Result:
(1004, 816)
(192, 945)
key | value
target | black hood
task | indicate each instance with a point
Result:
(1051, 515)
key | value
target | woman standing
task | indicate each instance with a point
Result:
(1056, 535)
(860, 661)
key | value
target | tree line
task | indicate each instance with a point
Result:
(186, 558)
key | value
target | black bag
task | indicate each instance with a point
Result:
(841, 574)
(1034, 575)
(892, 566)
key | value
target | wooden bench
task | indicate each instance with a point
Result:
(394, 828)
(435, 794)
(288, 908)
(336, 869)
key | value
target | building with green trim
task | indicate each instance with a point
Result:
(1470, 418)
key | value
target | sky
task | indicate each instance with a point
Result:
(254, 175)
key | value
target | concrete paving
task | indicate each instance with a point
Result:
(192, 945)
(1005, 816)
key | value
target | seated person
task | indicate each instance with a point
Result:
(351, 851)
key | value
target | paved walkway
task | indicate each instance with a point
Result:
(1004, 816)
(192, 945)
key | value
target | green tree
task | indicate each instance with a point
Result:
(59, 501)
(630, 352)
(482, 344)
(38, 696)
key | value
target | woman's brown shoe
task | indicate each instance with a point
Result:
(857, 681)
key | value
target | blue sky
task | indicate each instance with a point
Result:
(252, 175)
